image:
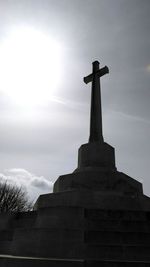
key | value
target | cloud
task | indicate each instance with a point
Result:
(34, 185)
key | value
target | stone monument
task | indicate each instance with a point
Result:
(95, 216)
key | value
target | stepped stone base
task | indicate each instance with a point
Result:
(96, 216)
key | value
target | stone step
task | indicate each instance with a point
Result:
(61, 235)
(126, 215)
(20, 262)
(118, 252)
(45, 242)
(94, 199)
(99, 263)
(117, 225)
(11, 261)
(130, 238)
(67, 250)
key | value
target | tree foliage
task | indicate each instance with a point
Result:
(13, 199)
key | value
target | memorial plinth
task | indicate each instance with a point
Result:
(96, 171)
(96, 216)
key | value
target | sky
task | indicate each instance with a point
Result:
(46, 48)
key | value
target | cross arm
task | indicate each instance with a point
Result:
(103, 71)
(99, 73)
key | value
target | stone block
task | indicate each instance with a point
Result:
(117, 238)
(67, 199)
(96, 155)
(5, 241)
(48, 243)
(114, 226)
(98, 180)
(6, 220)
(24, 219)
(30, 262)
(6, 235)
(109, 263)
(5, 246)
(118, 253)
(126, 184)
(127, 215)
(60, 217)
(94, 199)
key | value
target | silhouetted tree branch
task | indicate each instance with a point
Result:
(13, 198)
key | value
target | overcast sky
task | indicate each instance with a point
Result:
(39, 140)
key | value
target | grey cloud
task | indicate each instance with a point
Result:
(33, 184)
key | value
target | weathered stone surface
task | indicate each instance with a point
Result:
(96, 154)
(117, 252)
(48, 242)
(117, 237)
(22, 262)
(94, 199)
(60, 217)
(111, 263)
(96, 171)
(6, 220)
(96, 180)
(62, 263)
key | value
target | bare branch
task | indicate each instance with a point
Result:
(13, 198)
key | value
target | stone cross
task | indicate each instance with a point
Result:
(96, 134)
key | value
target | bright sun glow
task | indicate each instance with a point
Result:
(30, 66)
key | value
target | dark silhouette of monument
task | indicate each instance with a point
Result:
(96, 216)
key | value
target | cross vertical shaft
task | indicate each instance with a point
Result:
(96, 132)
(96, 110)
